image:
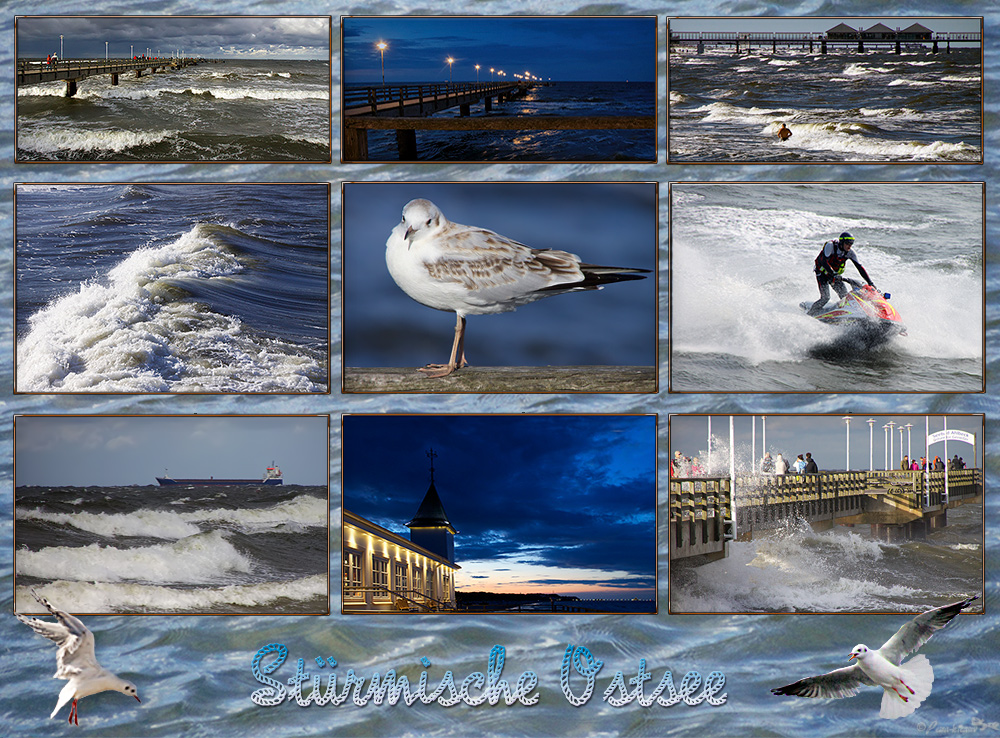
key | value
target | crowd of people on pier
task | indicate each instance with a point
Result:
(953, 464)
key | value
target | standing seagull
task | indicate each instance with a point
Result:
(906, 686)
(464, 269)
(75, 659)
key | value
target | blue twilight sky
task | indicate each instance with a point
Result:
(207, 36)
(558, 48)
(550, 503)
(824, 436)
(81, 451)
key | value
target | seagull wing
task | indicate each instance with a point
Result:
(919, 630)
(497, 269)
(74, 639)
(835, 684)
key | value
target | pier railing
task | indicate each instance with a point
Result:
(703, 510)
(372, 100)
(36, 71)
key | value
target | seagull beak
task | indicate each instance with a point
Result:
(851, 656)
(137, 698)
(406, 236)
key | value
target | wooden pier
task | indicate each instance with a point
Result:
(36, 71)
(745, 42)
(897, 505)
(403, 108)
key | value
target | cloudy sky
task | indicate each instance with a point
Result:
(819, 25)
(212, 37)
(549, 503)
(824, 436)
(80, 451)
(558, 48)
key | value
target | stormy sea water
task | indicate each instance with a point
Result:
(797, 569)
(242, 110)
(555, 98)
(171, 288)
(743, 259)
(842, 106)
(194, 672)
(177, 549)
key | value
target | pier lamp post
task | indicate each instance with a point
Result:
(891, 425)
(847, 422)
(382, 46)
(908, 455)
(901, 441)
(60, 46)
(885, 446)
(491, 74)
(871, 444)
(131, 51)
(477, 74)
(105, 51)
(450, 62)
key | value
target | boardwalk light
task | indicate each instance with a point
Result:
(847, 420)
(908, 455)
(491, 74)
(871, 444)
(105, 51)
(477, 74)
(450, 62)
(60, 46)
(382, 46)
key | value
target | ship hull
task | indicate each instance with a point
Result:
(168, 482)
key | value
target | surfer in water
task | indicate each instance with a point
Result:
(830, 267)
(784, 133)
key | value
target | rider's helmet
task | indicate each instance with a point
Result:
(846, 239)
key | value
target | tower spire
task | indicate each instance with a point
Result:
(431, 455)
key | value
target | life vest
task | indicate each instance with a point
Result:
(831, 264)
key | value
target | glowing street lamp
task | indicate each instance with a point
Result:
(477, 74)
(382, 46)
(491, 74)
(450, 62)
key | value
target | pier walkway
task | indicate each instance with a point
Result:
(35, 71)
(705, 515)
(746, 42)
(402, 109)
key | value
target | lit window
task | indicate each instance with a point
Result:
(380, 576)
(352, 574)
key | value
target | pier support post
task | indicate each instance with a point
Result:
(138, 72)
(897, 47)
(861, 46)
(406, 144)
(489, 104)
(822, 47)
(114, 79)
(463, 111)
(70, 87)
(355, 144)
(934, 48)
(701, 47)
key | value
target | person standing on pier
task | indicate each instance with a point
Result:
(830, 267)
(811, 467)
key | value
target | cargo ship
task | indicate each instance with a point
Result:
(272, 476)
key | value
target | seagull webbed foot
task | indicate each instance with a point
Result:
(438, 370)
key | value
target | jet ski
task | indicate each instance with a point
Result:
(863, 310)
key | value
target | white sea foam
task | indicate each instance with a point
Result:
(133, 596)
(83, 140)
(134, 331)
(303, 510)
(199, 559)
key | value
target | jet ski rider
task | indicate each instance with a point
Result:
(830, 267)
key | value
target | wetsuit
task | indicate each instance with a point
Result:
(829, 267)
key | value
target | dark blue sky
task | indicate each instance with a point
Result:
(560, 48)
(552, 503)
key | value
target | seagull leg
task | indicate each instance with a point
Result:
(72, 714)
(902, 697)
(443, 370)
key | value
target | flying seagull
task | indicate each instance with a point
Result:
(75, 659)
(469, 270)
(906, 685)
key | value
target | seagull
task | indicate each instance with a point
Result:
(906, 685)
(465, 269)
(75, 659)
